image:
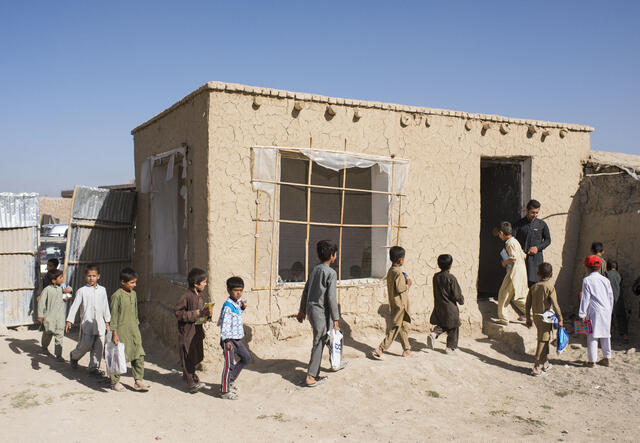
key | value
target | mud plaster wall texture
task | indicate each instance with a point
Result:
(442, 210)
(186, 124)
(610, 207)
(57, 207)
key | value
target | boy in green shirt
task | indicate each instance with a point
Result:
(124, 326)
(52, 309)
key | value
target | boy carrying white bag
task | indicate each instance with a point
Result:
(114, 357)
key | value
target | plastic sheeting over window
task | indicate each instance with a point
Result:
(146, 169)
(264, 174)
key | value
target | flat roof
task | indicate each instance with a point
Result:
(235, 88)
(618, 159)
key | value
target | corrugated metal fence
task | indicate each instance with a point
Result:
(19, 217)
(101, 232)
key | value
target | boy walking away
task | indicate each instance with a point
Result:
(514, 286)
(398, 284)
(619, 309)
(596, 305)
(319, 302)
(191, 335)
(51, 310)
(231, 335)
(125, 328)
(95, 316)
(541, 298)
(597, 249)
(447, 295)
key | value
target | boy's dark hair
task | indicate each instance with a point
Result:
(128, 274)
(597, 247)
(611, 265)
(326, 249)
(196, 276)
(53, 274)
(55, 262)
(445, 261)
(545, 270)
(396, 253)
(533, 204)
(505, 228)
(92, 267)
(235, 282)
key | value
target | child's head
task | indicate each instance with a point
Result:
(197, 279)
(128, 279)
(396, 255)
(52, 264)
(612, 265)
(545, 271)
(92, 274)
(597, 248)
(327, 251)
(55, 277)
(235, 286)
(504, 230)
(445, 261)
(593, 263)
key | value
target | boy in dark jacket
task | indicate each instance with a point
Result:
(447, 296)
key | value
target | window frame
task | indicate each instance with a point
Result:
(343, 189)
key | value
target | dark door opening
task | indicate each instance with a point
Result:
(501, 197)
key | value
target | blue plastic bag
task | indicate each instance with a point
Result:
(563, 340)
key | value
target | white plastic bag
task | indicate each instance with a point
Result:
(335, 348)
(114, 357)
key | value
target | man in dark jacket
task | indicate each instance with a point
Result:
(533, 235)
(447, 295)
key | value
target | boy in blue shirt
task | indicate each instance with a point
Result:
(231, 335)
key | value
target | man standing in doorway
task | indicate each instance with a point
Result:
(533, 235)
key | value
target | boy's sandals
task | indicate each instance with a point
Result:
(431, 341)
(97, 372)
(195, 388)
(605, 362)
(118, 387)
(318, 381)
(500, 322)
(141, 387)
(590, 364)
(547, 367)
(377, 356)
(229, 396)
(406, 353)
(234, 386)
(537, 372)
(449, 351)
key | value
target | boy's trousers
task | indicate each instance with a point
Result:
(592, 347)
(452, 336)
(506, 296)
(46, 340)
(542, 352)
(137, 370)
(89, 343)
(320, 339)
(398, 329)
(231, 369)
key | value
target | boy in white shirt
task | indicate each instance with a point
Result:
(95, 316)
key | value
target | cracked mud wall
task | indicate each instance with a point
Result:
(185, 124)
(610, 213)
(441, 210)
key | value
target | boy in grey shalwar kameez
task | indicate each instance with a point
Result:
(319, 302)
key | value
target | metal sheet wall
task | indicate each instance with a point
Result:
(101, 232)
(19, 215)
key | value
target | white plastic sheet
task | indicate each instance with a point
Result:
(264, 166)
(146, 169)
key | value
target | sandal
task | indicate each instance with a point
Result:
(118, 387)
(318, 381)
(140, 387)
(376, 356)
(229, 395)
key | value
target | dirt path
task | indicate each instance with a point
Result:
(479, 394)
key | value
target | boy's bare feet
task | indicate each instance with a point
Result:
(377, 354)
(313, 381)
(118, 387)
(449, 351)
(406, 353)
(536, 371)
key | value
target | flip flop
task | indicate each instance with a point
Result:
(318, 381)
(375, 356)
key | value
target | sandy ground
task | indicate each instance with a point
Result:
(482, 393)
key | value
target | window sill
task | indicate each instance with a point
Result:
(355, 283)
(174, 279)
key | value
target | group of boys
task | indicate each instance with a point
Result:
(96, 319)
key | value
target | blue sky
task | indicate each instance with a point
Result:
(76, 77)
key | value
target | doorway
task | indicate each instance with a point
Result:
(505, 187)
